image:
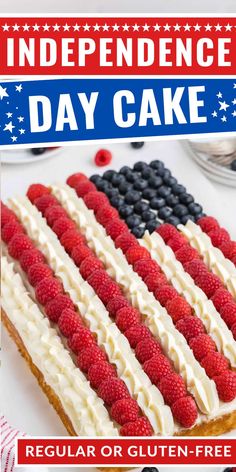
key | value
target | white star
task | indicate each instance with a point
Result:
(224, 119)
(9, 115)
(115, 27)
(125, 27)
(66, 27)
(26, 27)
(3, 92)
(219, 95)
(187, 27)
(36, 27)
(167, 27)
(20, 119)
(105, 27)
(234, 101)
(46, 27)
(228, 27)
(135, 27)
(223, 105)
(96, 27)
(22, 131)
(208, 27)
(146, 27)
(156, 27)
(9, 127)
(76, 27)
(234, 86)
(18, 88)
(197, 27)
(86, 27)
(14, 138)
(214, 114)
(5, 27)
(56, 27)
(16, 27)
(177, 27)
(218, 27)
(234, 113)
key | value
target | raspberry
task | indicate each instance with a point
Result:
(7, 215)
(229, 249)
(195, 268)
(99, 372)
(102, 157)
(31, 257)
(157, 367)
(53, 213)
(105, 214)
(145, 267)
(81, 252)
(69, 322)
(125, 411)
(178, 308)
(74, 179)
(44, 202)
(116, 304)
(108, 290)
(208, 223)
(80, 340)
(47, 289)
(219, 236)
(36, 190)
(89, 265)
(137, 333)
(70, 239)
(233, 329)
(146, 349)
(140, 427)
(126, 317)
(112, 390)
(95, 200)
(186, 254)
(55, 307)
(97, 278)
(165, 293)
(125, 241)
(172, 388)
(226, 386)
(89, 356)
(185, 411)
(228, 313)
(153, 283)
(116, 227)
(135, 253)
(190, 327)
(209, 283)
(83, 187)
(38, 272)
(10, 229)
(62, 225)
(18, 244)
(202, 345)
(221, 297)
(167, 231)
(214, 364)
(177, 242)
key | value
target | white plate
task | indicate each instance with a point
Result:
(25, 156)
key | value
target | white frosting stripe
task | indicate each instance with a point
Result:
(184, 284)
(156, 317)
(212, 256)
(94, 312)
(85, 410)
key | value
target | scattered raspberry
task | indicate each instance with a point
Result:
(195, 268)
(157, 367)
(70, 239)
(88, 266)
(116, 304)
(105, 214)
(186, 254)
(102, 157)
(99, 372)
(36, 190)
(47, 289)
(112, 390)
(7, 215)
(177, 242)
(190, 327)
(137, 333)
(165, 293)
(53, 213)
(44, 202)
(228, 313)
(229, 249)
(57, 305)
(62, 225)
(18, 244)
(140, 427)
(226, 386)
(185, 411)
(125, 411)
(80, 340)
(83, 187)
(178, 308)
(135, 253)
(145, 267)
(209, 283)
(221, 297)
(126, 317)
(89, 356)
(81, 252)
(116, 227)
(38, 272)
(10, 229)
(208, 223)
(74, 179)
(95, 200)
(172, 388)
(69, 322)
(202, 345)
(31, 257)
(233, 329)
(153, 283)
(167, 231)
(125, 241)
(146, 349)
(108, 290)
(214, 364)
(97, 278)
(219, 236)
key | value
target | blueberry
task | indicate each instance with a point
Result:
(195, 208)
(112, 192)
(125, 187)
(185, 219)
(137, 144)
(117, 201)
(103, 185)
(149, 193)
(108, 174)
(157, 202)
(147, 173)
(233, 165)
(133, 221)
(169, 180)
(140, 165)
(38, 151)
(165, 212)
(172, 200)
(140, 207)
(150, 469)
(117, 179)
(138, 231)
(140, 184)
(164, 191)
(199, 215)
(180, 210)
(167, 174)
(132, 197)
(177, 189)
(132, 176)
(157, 165)
(152, 225)
(155, 181)
(173, 220)
(95, 178)
(125, 210)
(124, 170)
(186, 198)
(148, 215)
